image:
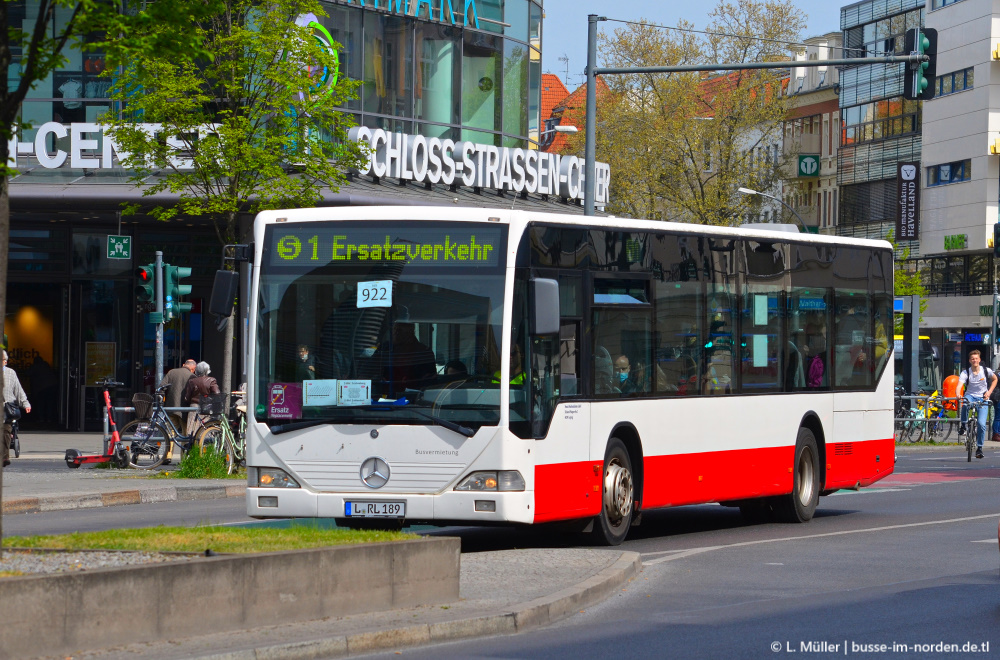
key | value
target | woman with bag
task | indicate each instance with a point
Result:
(200, 385)
(14, 399)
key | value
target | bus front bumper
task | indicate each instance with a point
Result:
(473, 507)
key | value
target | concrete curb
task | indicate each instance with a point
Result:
(49, 614)
(121, 497)
(525, 616)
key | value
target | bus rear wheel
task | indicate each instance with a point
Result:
(617, 496)
(800, 505)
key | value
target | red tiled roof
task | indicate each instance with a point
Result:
(553, 93)
(572, 111)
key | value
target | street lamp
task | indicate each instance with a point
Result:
(560, 129)
(802, 225)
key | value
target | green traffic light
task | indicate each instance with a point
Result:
(173, 275)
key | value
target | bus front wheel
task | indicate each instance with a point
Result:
(617, 496)
(800, 505)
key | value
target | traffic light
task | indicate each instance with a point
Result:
(918, 82)
(145, 288)
(173, 290)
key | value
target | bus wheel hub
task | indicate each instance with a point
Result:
(617, 492)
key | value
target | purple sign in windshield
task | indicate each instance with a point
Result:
(284, 401)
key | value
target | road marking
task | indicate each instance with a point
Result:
(868, 490)
(986, 541)
(695, 551)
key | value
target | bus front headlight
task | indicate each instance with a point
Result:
(274, 478)
(504, 480)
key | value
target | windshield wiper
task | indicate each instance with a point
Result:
(305, 424)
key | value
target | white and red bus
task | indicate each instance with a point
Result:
(484, 366)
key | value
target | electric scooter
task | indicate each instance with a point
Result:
(117, 453)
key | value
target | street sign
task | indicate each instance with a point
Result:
(809, 165)
(119, 247)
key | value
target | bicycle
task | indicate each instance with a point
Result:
(15, 442)
(972, 426)
(938, 422)
(148, 437)
(226, 433)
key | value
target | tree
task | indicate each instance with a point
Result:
(679, 144)
(258, 126)
(906, 281)
(39, 51)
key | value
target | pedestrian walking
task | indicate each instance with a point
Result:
(12, 393)
(201, 385)
(176, 381)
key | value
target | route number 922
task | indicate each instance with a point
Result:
(375, 294)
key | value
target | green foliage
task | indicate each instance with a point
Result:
(197, 539)
(250, 128)
(679, 146)
(907, 281)
(196, 464)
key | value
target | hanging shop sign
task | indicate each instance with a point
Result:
(908, 201)
(433, 160)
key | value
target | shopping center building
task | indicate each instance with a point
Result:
(459, 79)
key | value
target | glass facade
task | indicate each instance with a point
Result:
(879, 127)
(425, 74)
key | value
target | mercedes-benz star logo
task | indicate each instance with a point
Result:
(375, 472)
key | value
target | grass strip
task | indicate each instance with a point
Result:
(199, 539)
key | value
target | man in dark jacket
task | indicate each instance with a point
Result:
(201, 385)
(175, 381)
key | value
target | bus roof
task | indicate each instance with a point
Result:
(517, 217)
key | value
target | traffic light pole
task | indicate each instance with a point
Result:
(158, 352)
(590, 144)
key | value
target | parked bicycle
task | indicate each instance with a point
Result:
(148, 436)
(226, 434)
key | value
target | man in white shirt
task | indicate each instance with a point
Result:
(976, 383)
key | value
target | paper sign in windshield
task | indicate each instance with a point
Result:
(284, 400)
(375, 294)
(319, 392)
(355, 392)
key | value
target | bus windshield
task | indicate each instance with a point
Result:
(398, 323)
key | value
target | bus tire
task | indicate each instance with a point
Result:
(800, 505)
(617, 496)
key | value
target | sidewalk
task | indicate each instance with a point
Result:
(40, 480)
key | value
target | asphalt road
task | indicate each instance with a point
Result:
(911, 562)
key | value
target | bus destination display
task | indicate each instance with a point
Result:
(445, 246)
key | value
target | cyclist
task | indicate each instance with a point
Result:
(12, 393)
(976, 383)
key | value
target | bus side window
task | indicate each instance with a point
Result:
(569, 358)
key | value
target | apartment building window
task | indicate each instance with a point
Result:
(939, 175)
(937, 4)
(956, 81)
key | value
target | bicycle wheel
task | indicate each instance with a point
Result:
(214, 438)
(945, 427)
(970, 436)
(146, 443)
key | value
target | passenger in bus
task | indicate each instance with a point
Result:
(410, 365)
(455, 370)
(603, 372)
(305, 368)
(815, 356)
(624, 379)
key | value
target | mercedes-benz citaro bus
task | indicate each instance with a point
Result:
(485, 366)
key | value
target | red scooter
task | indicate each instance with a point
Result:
(117, 453)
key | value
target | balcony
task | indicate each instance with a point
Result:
(960, 289)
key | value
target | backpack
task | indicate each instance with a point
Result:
(814, 372)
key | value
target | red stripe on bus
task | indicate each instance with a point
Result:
(564, 491)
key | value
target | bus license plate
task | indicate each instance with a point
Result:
(375, 509)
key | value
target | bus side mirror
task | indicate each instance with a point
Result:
(227, 283)
(545, 307)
